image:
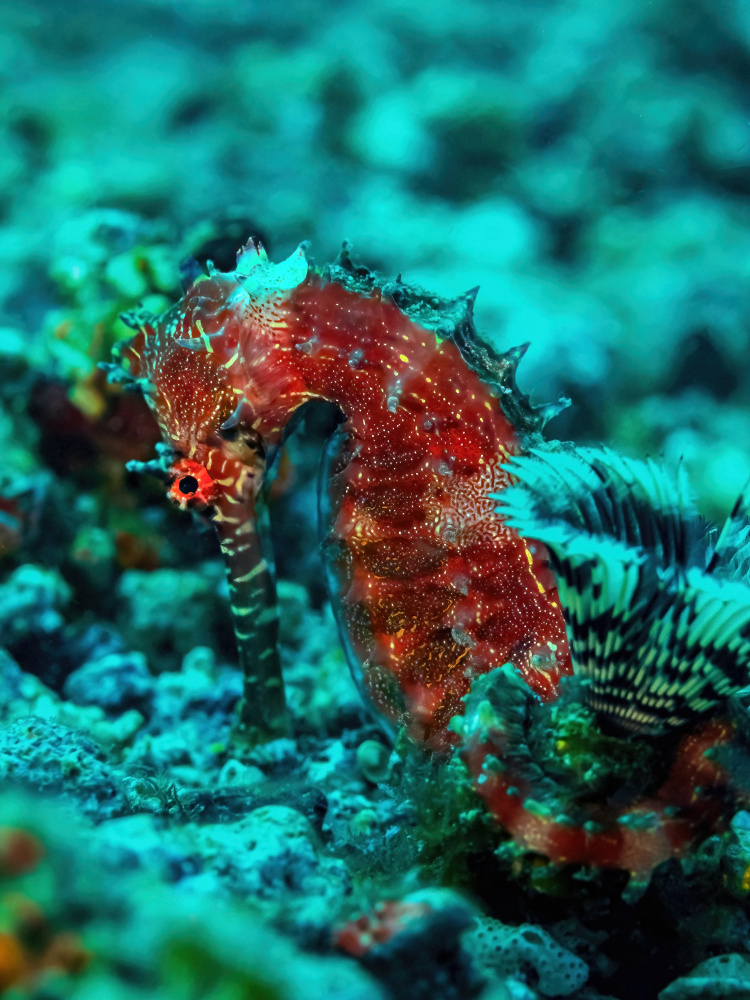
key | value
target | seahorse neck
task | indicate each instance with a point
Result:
(390, 375)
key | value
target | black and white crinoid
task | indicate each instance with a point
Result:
(657, 602)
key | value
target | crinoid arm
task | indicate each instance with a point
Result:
(730, 555)
(598, 493)
(659, 625)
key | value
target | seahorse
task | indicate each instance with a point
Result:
(430, 587)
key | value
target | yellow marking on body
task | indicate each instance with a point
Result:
(228, 364)
(225, 482)
(255, 571)
(404, 358)
(531, 563)
(137, 353)
(225, 518)
(246, 529)
(204, 336)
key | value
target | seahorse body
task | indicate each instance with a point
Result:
(430, 587)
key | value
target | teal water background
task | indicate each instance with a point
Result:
(585, 163)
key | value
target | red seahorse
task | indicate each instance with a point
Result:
(430, 587)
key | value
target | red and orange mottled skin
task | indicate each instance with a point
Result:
(430, 587)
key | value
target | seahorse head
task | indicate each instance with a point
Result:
(214, 371)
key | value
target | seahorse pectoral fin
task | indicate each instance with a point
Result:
(252, 590)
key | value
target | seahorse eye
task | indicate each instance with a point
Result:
(188, 484)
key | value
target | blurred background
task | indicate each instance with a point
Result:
(587, 165)
(586, 162)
